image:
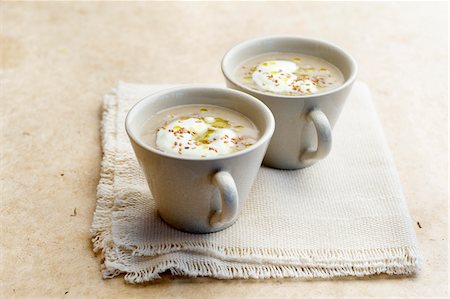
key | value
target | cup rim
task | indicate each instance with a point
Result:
(266, 136)
(236, 48)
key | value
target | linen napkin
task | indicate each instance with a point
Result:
(344, 216)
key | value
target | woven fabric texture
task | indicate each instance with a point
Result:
(343, 216)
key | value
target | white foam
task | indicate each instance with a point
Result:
(278, 76)
(198, 137)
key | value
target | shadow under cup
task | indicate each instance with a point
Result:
(303, 123)
(200, 195)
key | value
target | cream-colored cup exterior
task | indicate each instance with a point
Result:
(200, 195)
(303, 123)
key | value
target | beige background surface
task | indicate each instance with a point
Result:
(58, 59)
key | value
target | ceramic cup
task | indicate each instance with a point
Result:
(200, 195)
(303, 123)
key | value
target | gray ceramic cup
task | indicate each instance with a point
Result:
(303, 123)
(200, 195)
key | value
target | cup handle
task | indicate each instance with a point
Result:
(324, 139)
(230, 200)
